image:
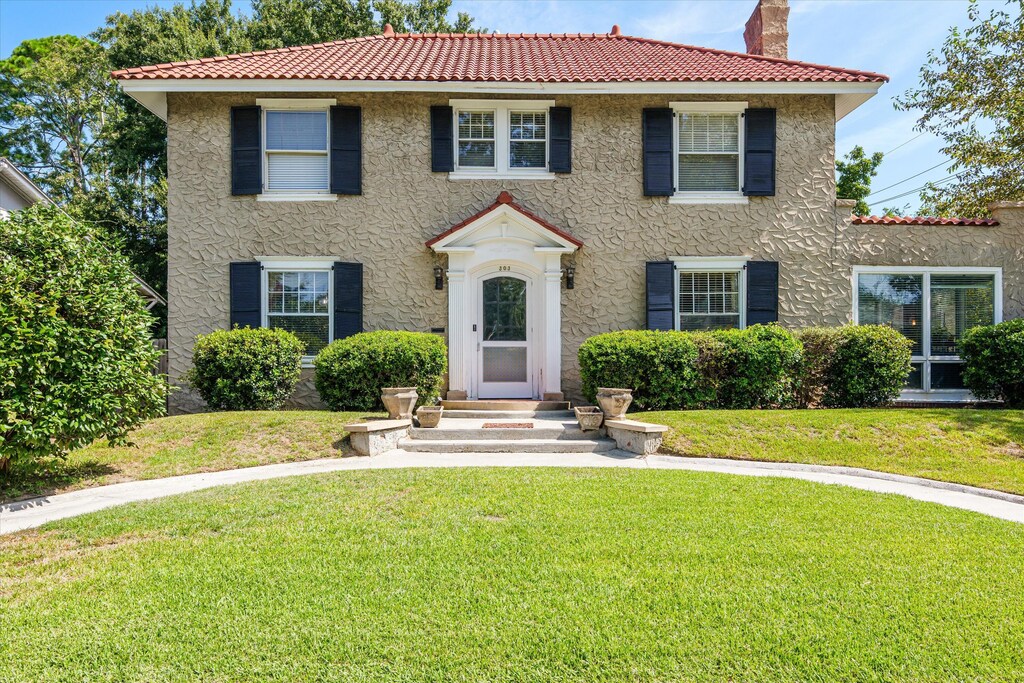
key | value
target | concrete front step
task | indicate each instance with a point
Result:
(414, 445)
(498, 415)
(449, 433)
(505, 405)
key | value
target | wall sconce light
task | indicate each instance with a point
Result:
(438, 277)
(570, 277)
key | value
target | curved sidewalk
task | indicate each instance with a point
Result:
(27, 514)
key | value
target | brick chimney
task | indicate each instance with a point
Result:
(767, 30)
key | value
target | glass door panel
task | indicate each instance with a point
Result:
(504, 338)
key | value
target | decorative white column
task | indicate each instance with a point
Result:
(458, 323)
(552, 368)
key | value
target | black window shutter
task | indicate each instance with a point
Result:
(442, 140)
(560, 125)
(759, 153)
(246, 155)
(346, 150)
(245, 294)
(348, 299)
(762, 292)
(657, 143)
(661, 295)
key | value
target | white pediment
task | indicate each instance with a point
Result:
(507, 225)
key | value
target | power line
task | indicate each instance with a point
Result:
(941, 163)
(908, 192)
(902, 144)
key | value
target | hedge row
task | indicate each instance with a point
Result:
(258, 369)
(762, 366)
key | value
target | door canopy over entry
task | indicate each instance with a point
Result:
(504, 239)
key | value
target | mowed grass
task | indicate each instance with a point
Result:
(186, 444)
(517, 575)
(966, 446)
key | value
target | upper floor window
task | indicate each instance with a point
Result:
(501, 138)
(297, 147)
(708, 140)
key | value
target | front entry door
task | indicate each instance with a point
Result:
(503, 346)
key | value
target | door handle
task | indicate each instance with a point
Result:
(474, 328)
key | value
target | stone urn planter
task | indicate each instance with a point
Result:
(429, 416)
(589, 417)
(614, 402)
(399, 401)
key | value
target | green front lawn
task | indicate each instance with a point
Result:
(966, 446)
(517, 575)
(190, 443)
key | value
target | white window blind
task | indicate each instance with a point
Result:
(709, 300)
(297, 152)
(709, 152)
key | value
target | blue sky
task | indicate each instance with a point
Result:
(892, 37)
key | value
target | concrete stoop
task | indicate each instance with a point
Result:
(488, 427)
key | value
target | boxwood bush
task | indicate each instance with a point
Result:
(820, 345)
(994, 362)
(246, 369)
(351, 372)
(757, 367)
(660, 367)
(857, 366)
(76, 358)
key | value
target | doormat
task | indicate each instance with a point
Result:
(508, 425)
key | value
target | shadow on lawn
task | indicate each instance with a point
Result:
(44, 479)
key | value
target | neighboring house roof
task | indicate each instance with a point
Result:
(21, 183)
(503, 57)
(500, 62)
(922, 220)
(506, 199)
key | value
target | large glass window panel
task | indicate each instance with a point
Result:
(299, 301)
(297, 130)
(709, 300)
(895, 300)
(708, 152)
(947, 376)
(504, 309)
(476, 139)
(958, 303)
(298, 172)
(296, 145)
(528, 144)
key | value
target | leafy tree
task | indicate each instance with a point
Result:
(76, 360)
(972, 97)
(55, 99)
(855, 171)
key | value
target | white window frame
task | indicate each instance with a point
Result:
(286, 105)
(729, 197)
(273, 264)
(927, 358)
(712, 264)
(502, 139)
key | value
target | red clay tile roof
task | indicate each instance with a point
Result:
(505, 57)
(921, 220)
(505, 198)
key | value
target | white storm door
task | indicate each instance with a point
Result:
(503, 347)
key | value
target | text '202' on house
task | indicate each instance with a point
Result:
(519, 193)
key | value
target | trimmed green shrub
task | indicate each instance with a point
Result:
(660, 367)
(757, 367)
(351, 372)
(820, 344)
(76, 358)
(246, 369)
(868, 368)
(994, 362)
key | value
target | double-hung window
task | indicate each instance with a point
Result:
(708, 143)
(297, 297)
(933, 307)
(296, 144)
(710, 293)
(501, 138)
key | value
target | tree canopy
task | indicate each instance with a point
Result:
(971, 96)
(855, 171)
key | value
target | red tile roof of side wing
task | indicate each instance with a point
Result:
(506, 57)
(922, 220)
(505, 198)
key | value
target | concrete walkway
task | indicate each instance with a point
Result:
(31, 513)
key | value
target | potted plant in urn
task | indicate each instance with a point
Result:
(614, 402)
(589, 417)
(429, 416)
(399, 401)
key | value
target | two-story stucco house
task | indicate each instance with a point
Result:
(520, 193)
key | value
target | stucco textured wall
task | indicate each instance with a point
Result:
(403, 204)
